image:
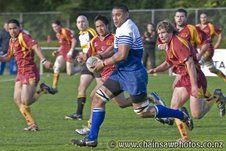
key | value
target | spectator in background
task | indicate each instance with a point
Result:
(149, 41)
(4, 45)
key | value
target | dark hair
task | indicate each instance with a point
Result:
(14, 21)
(181, 10)
(168, 26)
(56, 22)
(122, 7)
(102, 18)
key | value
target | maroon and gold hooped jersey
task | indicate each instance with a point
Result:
(98, 46)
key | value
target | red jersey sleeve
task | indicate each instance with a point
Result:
(217, 30)
(29, 41)
(180, 49)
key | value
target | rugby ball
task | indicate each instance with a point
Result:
(91, 62)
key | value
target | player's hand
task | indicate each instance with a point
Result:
(198, 56)
(99, 65)
(152, 71)
(70, 53)
(162, 46)
(48, 65)
(55, 53)
(195, 91)
(178, 77)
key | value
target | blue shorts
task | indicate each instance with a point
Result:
(134, 82)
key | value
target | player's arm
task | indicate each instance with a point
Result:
(73, 44)
(202, 50)
(123, 51)
(202, 40)
(219, 38)
(41, 56)
(107, 53)
(193, 76)
(162, 67)
(6, 57)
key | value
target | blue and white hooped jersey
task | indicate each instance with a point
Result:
(128, 34)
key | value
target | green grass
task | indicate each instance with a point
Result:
(119, 125)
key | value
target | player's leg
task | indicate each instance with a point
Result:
(108, 90)
(85, 81)
(199, 106)
(27, 98)
(24, 109)
(71, 69)
(59, 63)
(208, 61)
(122, 101)
(85, 130)
(142, 108)
(180, 96)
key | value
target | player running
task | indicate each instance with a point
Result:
(130, 75)
(23, 48)
(211, 31)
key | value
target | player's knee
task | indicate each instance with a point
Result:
(97, 102)
(213, 70)
(197, 115)
(69, 73)
(56, 69)
(102, 95)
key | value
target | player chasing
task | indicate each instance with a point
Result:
(102, 48)
(23, 48)
(211, 31)
(64, 55)
(192, 83)
(130, 75)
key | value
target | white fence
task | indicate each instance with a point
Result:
(219, 59)
(50, 48)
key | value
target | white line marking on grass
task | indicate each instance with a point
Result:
(7, 80)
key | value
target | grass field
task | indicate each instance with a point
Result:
(120, 124)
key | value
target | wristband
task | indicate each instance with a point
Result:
(43, 61)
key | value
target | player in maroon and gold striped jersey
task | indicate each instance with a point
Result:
(211, 31)
(65, 54)
(192, 83)
(23, 48)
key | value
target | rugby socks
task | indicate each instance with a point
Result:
(55, 80)
(221, 75)
(97, 120)
(26, 112)
(182, 129)
(164, 112)
(81, 102)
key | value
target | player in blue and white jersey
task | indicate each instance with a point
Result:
(130, 75)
